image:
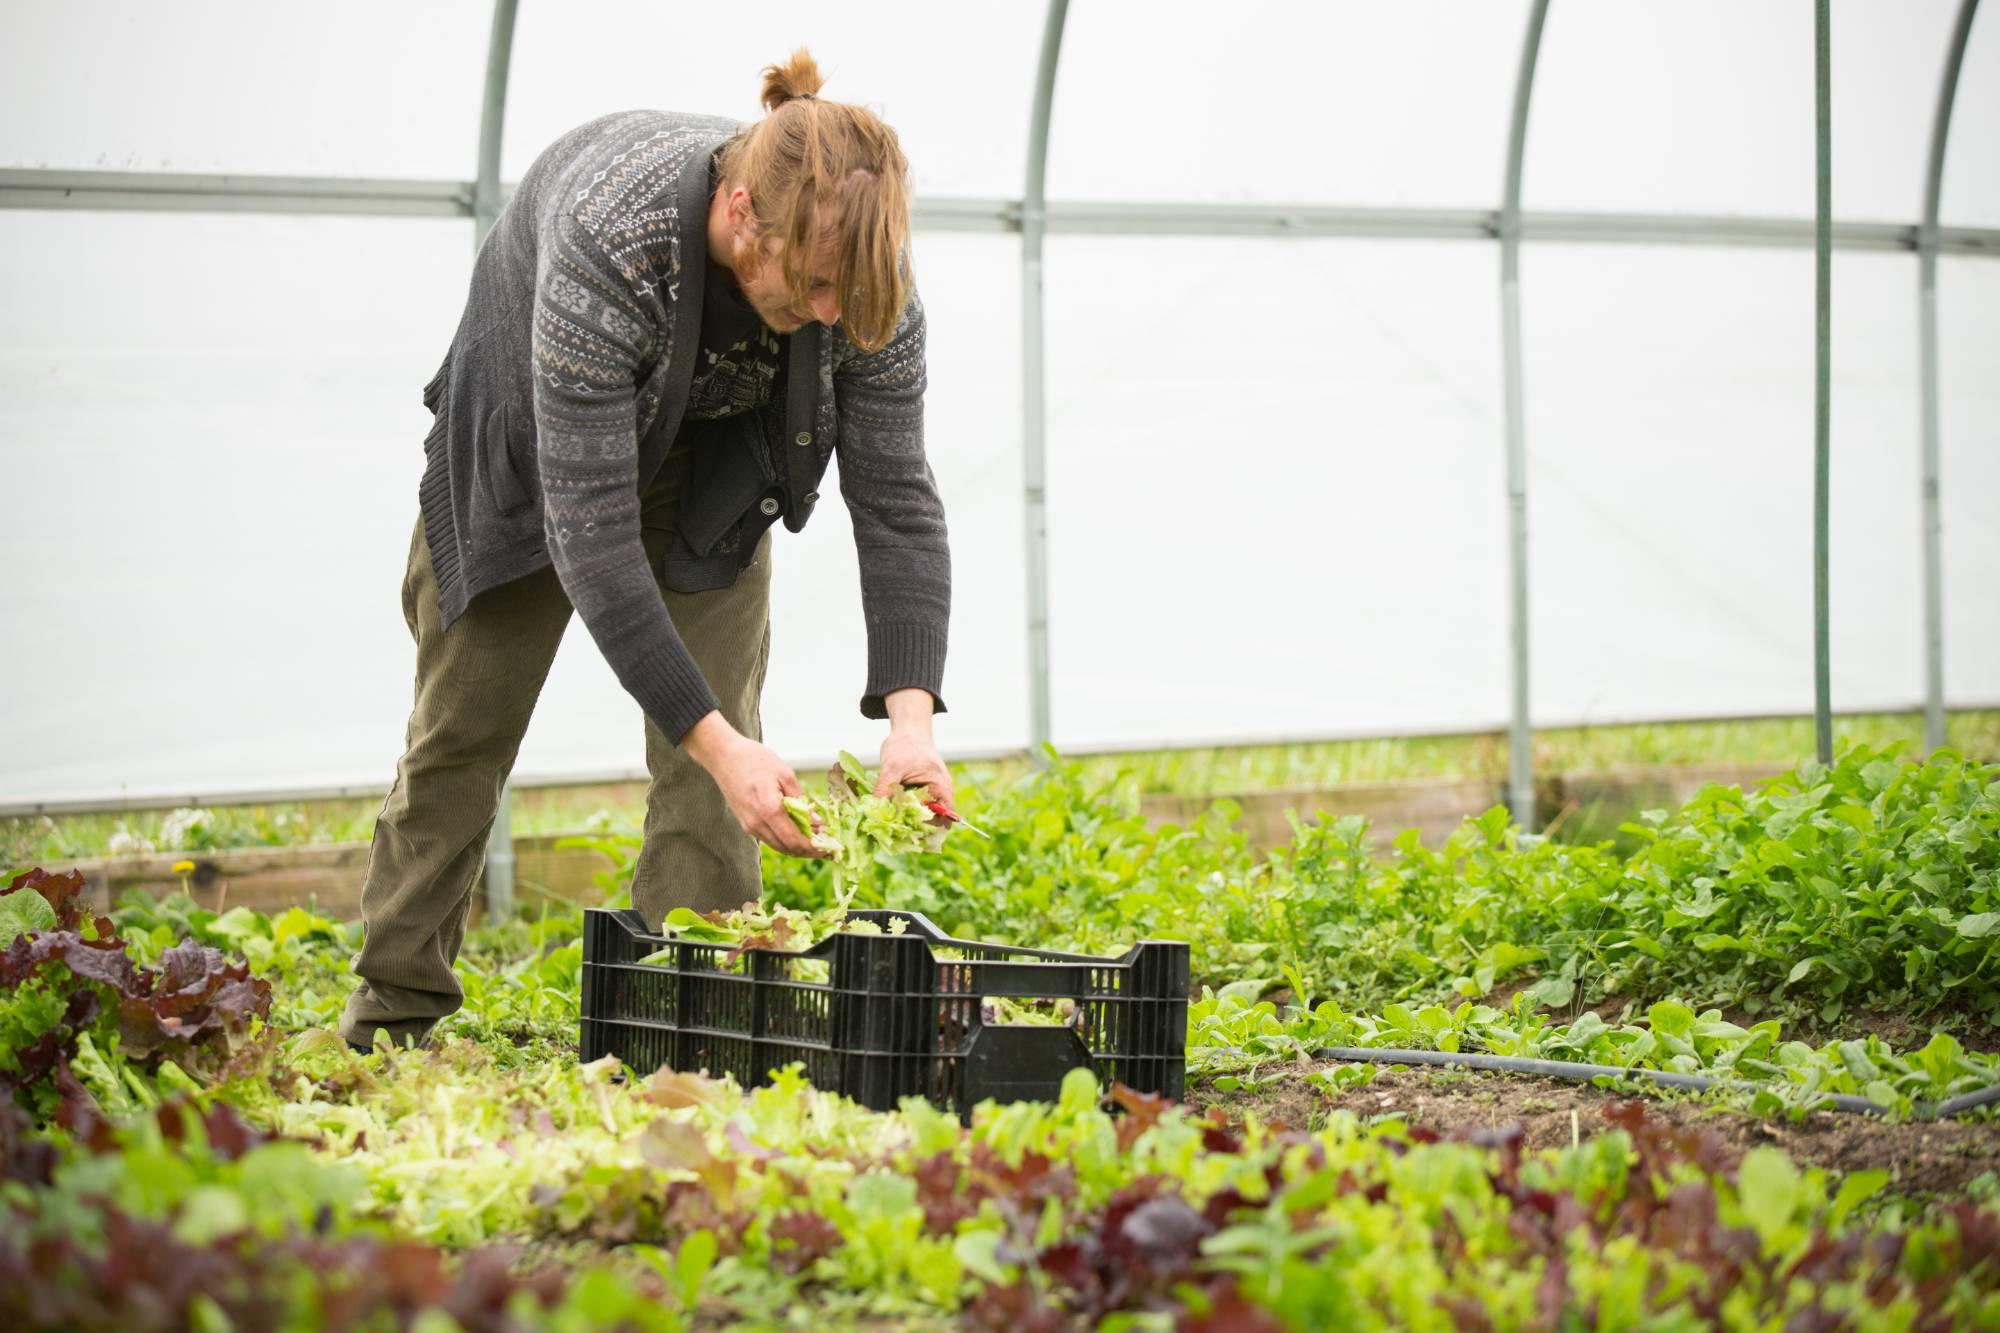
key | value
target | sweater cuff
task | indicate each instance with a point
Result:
(670, 687)
(902, 657)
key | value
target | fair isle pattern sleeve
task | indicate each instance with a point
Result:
(899, 526)
(605, 296)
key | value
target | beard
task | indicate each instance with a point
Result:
(749, 264)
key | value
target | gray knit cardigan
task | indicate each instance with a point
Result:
(565, 386)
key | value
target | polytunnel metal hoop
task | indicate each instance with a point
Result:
(1034, 405)
(486, 201)
(1822, 379)
(1520, 731)
(1927, 332)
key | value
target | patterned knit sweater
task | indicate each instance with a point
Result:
(570, 376)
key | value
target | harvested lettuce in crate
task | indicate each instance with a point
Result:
(1049, 1013)
(852, 825)
(753, 926)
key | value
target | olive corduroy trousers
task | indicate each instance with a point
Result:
(476, 687)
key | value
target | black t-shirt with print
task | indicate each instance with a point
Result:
(737, 362)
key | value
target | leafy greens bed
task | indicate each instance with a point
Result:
(1873, 885)
(183, 1143)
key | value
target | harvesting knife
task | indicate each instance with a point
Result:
(951, 816)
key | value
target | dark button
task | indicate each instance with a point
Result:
(768, 506)
(812, 497)
(803, 437)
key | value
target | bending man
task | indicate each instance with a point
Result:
(674, 325)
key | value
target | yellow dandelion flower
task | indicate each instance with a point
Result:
(183, 867)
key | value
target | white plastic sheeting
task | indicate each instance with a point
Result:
(1397, 105)
(210, 527)
(1275, 489)
(361, 88)
(1275, 467)
(1671, 484)
(954, 80)
(1706, 106)
(1969, 472)
(212, 466)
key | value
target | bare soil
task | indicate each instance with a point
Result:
(1898, 1030)
(1922, 1158)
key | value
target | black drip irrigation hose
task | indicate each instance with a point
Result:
(1577, 1073)
(1967, 1101)
(1580, 1073)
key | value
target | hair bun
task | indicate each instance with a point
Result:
(797, 78)
(829, 186)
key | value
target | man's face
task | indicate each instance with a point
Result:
(762, 279)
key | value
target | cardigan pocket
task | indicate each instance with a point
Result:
(499, 453)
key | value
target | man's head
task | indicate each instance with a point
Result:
(814, 209)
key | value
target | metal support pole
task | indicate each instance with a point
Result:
(1034, 423)
(1822, 380)
(348, 196)
(1927, 326)
(492, 115)
(485, 208)
(1520, 734)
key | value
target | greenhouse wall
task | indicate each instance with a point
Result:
(1276, 497)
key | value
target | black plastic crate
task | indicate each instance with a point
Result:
(891, 1019)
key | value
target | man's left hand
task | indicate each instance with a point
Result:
(909, 756)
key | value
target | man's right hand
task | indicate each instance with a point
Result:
(753, 780)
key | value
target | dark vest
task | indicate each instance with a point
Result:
(747, 472)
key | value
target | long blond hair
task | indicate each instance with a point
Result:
(817, 169)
